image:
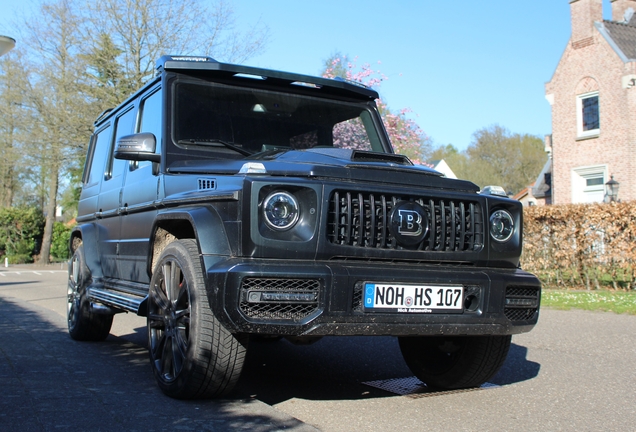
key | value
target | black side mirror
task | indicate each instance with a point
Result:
(137, 147)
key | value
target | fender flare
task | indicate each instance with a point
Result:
(207, 226)
(88, 234)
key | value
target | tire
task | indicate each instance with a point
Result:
(449, 363)
(83, 325)
(192, 355)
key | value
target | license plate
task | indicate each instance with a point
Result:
(402, 298)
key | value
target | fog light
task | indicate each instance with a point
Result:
(280, 297)
(522, 302)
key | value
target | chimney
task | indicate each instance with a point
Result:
(584, 14)
(621, 10)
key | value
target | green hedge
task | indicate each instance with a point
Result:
(59, 242)
(20, 234)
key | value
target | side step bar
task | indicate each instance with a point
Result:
(118, 300)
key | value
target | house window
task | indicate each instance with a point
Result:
(588, 115)
(588, 184)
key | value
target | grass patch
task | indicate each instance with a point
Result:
(611, 301)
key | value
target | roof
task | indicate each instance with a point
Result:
(621, 36)
(316, 86)
(321, 86)
(542, 187)
(523, 193)
(441, 166)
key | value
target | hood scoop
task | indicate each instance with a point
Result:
(361, 156)
(364, 156)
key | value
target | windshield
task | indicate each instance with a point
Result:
(217, 121)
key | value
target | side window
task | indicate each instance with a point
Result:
(150, 121)
(99, 155)
(588, 116)
(123, 126)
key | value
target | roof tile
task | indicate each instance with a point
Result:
(624, 35)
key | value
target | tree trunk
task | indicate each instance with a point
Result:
(45, 250)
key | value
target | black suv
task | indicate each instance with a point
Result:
(225, 202)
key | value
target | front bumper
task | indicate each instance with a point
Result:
(314, 298)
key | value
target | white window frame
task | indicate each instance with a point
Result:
(579, 116)
(581, 192)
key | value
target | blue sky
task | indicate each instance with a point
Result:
(459, 66)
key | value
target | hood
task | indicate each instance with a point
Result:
(330, 163)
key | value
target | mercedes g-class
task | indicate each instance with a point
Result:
(226, 202)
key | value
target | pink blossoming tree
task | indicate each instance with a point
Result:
(406, 136)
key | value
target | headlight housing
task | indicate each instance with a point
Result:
(280, 210)
(502, 226)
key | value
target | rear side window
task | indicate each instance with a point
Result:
(124, 126)
(99, 155)
(151, 121)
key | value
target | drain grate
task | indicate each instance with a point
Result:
(414, 388)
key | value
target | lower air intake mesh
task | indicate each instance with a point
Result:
(279, 298)
(522, 303)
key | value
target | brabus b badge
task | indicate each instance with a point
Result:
(409, 224)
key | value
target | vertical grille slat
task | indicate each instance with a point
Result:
(361, 219)
(361, 225)
(384, 223)
(442, 213)
(453, 225)
(462, 212)
(432, 226)
(393, 244)
(372, 222)
(335, 226)
(472, 226)
(349, 225)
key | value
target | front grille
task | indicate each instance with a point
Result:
(521, 303)
(362, 219)
(279, 298)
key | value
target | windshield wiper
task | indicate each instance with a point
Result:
(213, 141)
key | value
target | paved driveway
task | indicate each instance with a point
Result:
(575, 371)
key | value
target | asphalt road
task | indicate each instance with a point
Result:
(574, 371)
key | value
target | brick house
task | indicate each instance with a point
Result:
(593, 99)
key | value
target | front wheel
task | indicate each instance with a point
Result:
(449, 363)
(191, 353)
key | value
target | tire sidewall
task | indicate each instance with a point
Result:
(473, 364)
(178, 252)
(80, 309)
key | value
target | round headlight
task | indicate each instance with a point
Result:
(501, 226)
(280, 210)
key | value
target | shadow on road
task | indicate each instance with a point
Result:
(51, 382)
(41, 359)
(8, 284)
(335, 368)
(517, 367)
